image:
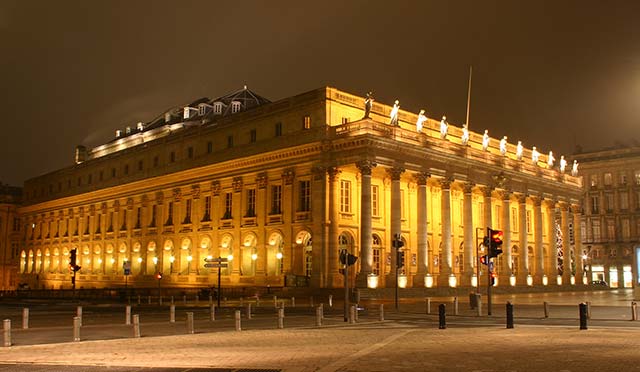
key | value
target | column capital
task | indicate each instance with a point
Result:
(564, 206)
(445, 183)
(366, 166)
(576, 208)
(333, 173)
(195, 192)
(487, 191)
(288, 175)
(237, 184)
(215, 188)
(261, 180)
(318, 172)
(537, 201)
(522, 198)
(505, 194)
(467, 187)
(421, 178)
(395, 172)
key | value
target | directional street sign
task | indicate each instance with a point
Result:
(216, 265)
(217, 259)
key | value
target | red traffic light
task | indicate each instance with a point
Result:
(496, 236)
(159, 276)
(483, 259)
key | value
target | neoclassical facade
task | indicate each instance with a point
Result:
(280, 188)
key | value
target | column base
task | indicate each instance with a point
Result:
(465, 280)
(418, 280)
(335, 280)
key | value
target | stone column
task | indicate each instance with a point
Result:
(537, 237)
(505, 260)
(319, 260)
(523, 259)
(486, 192)
(335, 279)
(423, 253)
(566, 246)
(552, 252)
(577, 248)
(366, 237)
(396, 215)
(469, 247)
(446, 263)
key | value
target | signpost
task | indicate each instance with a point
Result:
(126, 267)
(218, 263)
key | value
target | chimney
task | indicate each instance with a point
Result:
(81, 154)
(118, 133)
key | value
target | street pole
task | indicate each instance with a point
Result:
(346, 286)
(396, 240)
(478, 263)
(489, 285)
(219, 271)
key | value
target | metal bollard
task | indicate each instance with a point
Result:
(330, 300)
(160, 300)
(212, 311)
(381, 312)
(172, 314)
(248, 311)
(238, 324)
(293, 302)
(311, 301)
(210, 300)
(25, 318)
(428, 305)
(280, 318)
(172, 300)
(442, 317)
(479, 306)
(76, 328)
(318, 316)
(127, 315)
(546, 309)
(455, 306)
(583, 315)
(321, 306)
(352, 314)
(257, 301)
(79, 314)
(588, 309)
(275, 301)
(197, 299)
(509, 315)
(136, 326)
(138, 299)
(6, 332)
(184, 299)
(190, 323)
(634, 311)
(355, 312)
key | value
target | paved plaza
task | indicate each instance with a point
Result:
(408, 340)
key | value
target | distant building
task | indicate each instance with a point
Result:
(279, 189)
(611, 215)
(10, 239)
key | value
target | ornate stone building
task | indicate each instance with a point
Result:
(611, 219)
(281, 188)
(9, 236)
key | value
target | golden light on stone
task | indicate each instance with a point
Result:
(529, 280)
(512, 280)
(559, 279)
(545, 280)
(402, 281)
(372, 281)
(428, 281)
(155, 260)
(279, 255)
(573, 280)
(474, 281)
(453, 281)
(254, 256)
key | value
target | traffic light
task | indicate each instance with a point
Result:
(73, 260)
(493, 278)
(159, 276)
(347, 258)
(397, 241)
(484, 260)
(495, 242)
(400, 258)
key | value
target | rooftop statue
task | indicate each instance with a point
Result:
(503, 145)
(550, 159)
(465, 134)
(444, 127)
(485, 140)
(519, 150)
(535, 155)
(420, 122)
(563, 164)
(574, 169)
(394, 113)
(368, 103)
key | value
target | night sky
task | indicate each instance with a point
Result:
(554, 74)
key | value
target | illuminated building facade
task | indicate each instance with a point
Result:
(10, 238)
(281, 188)
(611, 218)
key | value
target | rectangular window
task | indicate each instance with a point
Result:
(253, 136)
(594, 180)
(623, 179)
(207, 209)
(172, 157)
(626, 229)
(228, 205)
(376, 261)
(251, 203)
(624, 200)
(375, 211)
(276, 199)
(190, 152)
(153, 216)
(138, 217)
(609, 200)
(169, 214)
(528, 222)
(278, 129)
(611, 230)
(229, 142)
(607, 179)
(209, 147)
(187, 211)
(595, 204)
(345, 196)
(597, 234)
(306, 122)
(304, 204)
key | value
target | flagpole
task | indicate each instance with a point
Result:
(469, 95)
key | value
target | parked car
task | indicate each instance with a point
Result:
(600, 283)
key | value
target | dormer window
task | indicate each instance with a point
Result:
(235, 107)
(140, 127)
(167, 117)
(185, 113)
(202, 109)
(118, 133)
(128, 130)
(217, 108)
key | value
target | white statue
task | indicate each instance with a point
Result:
(535, 156)
(563, 164)
(574, 169)
(420, 122)
(485, 140)
(503, 145)
(465, 134)
(444, 127)
(394, 113)
(550, 159)
(519, 150)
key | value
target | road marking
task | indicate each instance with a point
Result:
(349, 358)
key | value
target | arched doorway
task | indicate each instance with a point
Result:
(109, 266)
(226, 250)
(275, 253)
(378, 252)
(304, 255)
(152, 260)
(185, 256)
(168, 257)
(249, 255)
